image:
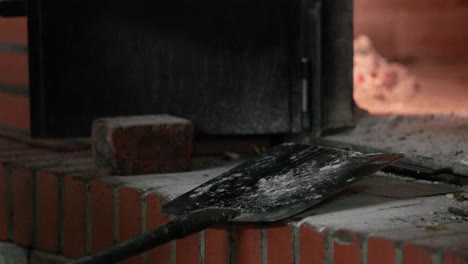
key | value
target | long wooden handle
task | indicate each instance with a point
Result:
(179, 228)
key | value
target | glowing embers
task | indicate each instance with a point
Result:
(378, 84)
(383, 87)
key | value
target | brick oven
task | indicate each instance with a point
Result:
(241, 76)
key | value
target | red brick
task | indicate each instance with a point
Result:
(23, 206)
(14, 69)
(156, 219)
(346, 247)
(280, 244)
(142, 144)
(48, 212)
(24, 179)
(456, 257)
(454, 238)
(15, 111)
(7, 157)
(4, 203)
(188, 249)
(217, 244)
(380, 251)
(130, 218)
(14, 30)
(48, 200)
(102, 216)
(248, 244)
(416, 255)
(312, 246)
(75, 214)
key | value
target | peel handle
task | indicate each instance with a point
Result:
(176, 229)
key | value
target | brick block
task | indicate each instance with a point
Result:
(346, 247)
(155, 219)
(312, 246)
(248, 241)
(188, 249)
(217, 244)
(280, 244)
(416, 255)
(102, 215)
(23, 206)
(380, 251)
(142, 144)
(130, 218)
(75, 213)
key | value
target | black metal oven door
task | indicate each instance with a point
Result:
(229, 66)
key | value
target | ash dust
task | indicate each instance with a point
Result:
(436, 141)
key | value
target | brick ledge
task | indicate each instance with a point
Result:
(93, 213)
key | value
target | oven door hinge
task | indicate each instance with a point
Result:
(305, 84)
(314, 66)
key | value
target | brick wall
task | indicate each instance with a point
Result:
(14, 101)
(54, 202)
(415, 29)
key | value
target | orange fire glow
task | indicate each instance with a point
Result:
(382, 87)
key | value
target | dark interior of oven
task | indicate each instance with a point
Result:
(236, 68)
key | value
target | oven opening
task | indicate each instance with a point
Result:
(410, 57)
(385, 85)
(410, 81)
